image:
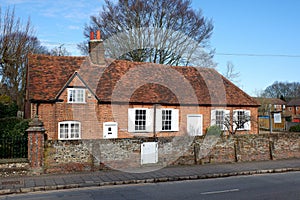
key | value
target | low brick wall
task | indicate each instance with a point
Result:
(122, 154)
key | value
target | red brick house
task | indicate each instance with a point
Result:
(293, 108)
(270, 104)
(92, 97)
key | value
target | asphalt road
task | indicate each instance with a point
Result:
(268, 186)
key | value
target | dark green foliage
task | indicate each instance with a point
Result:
(13, 147)
(288, 119)
(13, 126)
(213, 131)
(9, 110)
(13, 137)
(295, 128)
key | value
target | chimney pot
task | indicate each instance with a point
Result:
(98, 35)
(96, 49)
(92, 37)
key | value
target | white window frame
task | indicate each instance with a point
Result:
(166, 120)
(247, 125)
(133, 121)
(140, 120)
(76, 92)
(226, 114)
(68, 130)
(174, 119)
(150, 118)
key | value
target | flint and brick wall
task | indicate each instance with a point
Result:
(121, 154)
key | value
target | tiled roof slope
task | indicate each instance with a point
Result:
(294, 102)
(124, 81)
(274, 101)
(48, 74)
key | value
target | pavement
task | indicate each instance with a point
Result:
(45, 182)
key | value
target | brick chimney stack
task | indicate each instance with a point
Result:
(96, 49)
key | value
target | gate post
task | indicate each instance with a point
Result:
(36, 138)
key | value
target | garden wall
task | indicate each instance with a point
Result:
(124, 154)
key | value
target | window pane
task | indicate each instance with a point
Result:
(76, 95)
(166, 120)
(80, 95)
(241, 119)
(220, 118)
(63, 129)
(140, 120)
(72, 132)
(69, 130)
(71, 95)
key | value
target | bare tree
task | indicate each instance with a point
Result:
(60, 51)
(159, 31)
(16, 42)
(231, 74)
(240, 120)
(283, 90)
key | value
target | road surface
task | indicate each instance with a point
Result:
(267, 186)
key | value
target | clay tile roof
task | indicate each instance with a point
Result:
(294, 102)
(273, 101)
(134, 82)
(48, 74)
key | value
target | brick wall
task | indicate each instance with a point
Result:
(92, 116)
(86, 155)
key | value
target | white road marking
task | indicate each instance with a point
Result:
(220, 191)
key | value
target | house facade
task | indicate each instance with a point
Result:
(270, 105)
(274, 107)
(94, 98)
(293, 108)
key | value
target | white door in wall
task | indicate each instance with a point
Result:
(194, 124)
(149, 152)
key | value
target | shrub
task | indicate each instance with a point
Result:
(8, 110)
(214, 131)
(13, 126)
(13, 138)
(295, 128)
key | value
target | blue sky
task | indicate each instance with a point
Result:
(241, 27)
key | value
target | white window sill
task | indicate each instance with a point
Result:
(167, 131)
(69, 139)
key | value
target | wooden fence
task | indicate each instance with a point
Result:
(264, 123)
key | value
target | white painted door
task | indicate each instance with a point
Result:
(149, 152)
(110, 130)
(194, 124)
